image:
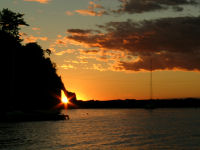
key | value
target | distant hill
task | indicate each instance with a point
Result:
(147, 104)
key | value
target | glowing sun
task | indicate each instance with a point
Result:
(64, 99)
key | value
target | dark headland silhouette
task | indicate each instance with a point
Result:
(30, 87)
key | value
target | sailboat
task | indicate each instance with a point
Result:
(151, 103)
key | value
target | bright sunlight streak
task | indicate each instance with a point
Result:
(64, 99)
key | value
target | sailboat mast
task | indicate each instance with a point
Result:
(151, 87)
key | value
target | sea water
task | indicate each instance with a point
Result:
(107, 129)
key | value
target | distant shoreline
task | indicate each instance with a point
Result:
(20, 116)
(133, 103)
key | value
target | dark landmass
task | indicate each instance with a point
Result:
(146, 104)
(30, 81)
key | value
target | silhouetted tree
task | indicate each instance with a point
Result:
(10, 42)
(32, 77)
(38, 76)
(10, 21)
(48, 51)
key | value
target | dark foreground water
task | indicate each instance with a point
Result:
(107, 129)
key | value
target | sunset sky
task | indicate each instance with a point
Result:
(104, 48)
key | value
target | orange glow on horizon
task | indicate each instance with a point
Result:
(103, 85)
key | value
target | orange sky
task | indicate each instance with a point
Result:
(120, 85)
(104, 49)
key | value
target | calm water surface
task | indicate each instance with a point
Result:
(107, 129)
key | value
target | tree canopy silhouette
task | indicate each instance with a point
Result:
(31, 77)
(10, 22)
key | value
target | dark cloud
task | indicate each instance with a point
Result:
(81, 32)
(172, 43)
(163, 61)
(140, 6)
(93, 51)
